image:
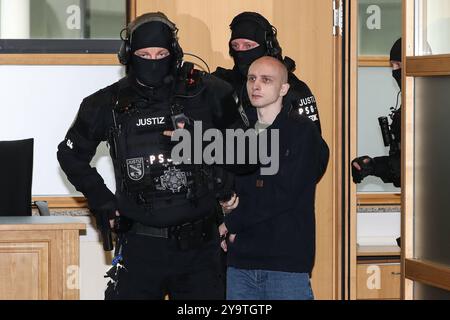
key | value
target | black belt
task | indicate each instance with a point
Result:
(173, 231)
(139, 228)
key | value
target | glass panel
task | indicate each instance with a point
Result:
(377, 93)
(431, 169)
(379, 25)
(432, 27)
(62, 19)
(425, 292)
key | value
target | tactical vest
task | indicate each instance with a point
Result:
(151, 188)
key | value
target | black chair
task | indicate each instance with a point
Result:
(16, 175)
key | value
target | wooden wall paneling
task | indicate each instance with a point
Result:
(58, 59)
(131, 10)
(365, 199)
(374, 61)
(337, 178)
(311, 44)
(63, 202)
(351, 148)
(389, 282)
(407, 147)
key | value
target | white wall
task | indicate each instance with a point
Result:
(378, 228)
(41, 102)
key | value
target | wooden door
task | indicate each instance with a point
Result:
(305, 32)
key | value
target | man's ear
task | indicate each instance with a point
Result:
(284, 89)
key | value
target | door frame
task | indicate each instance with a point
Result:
(349, 96)
(415, 270)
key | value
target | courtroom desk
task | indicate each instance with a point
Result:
(39, 257)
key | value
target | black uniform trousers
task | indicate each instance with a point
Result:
(154, 267)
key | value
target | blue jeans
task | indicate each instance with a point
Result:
(243, 284)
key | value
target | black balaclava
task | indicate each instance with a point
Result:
(243, 27)
(396, 55)
(152, 73)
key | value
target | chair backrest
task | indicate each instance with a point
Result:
(16, 175)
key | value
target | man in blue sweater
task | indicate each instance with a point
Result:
(270, 220)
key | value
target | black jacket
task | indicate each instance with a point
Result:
(212, 103)
(274, 221)
(299, 95)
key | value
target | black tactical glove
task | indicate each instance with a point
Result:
(366, 164)
(102, 216)
(122, 224)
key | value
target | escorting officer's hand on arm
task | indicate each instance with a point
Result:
(227, 207)
(223, 232)
(230, 205)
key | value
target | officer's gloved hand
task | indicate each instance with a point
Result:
(361, 168)
(103, 215)
(122, 224)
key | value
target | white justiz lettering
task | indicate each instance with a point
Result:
(150, 121)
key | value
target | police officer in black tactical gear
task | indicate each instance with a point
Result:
(163, 212)
(386, 167)
(252, 37)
